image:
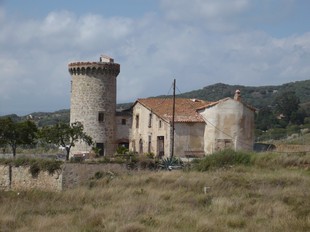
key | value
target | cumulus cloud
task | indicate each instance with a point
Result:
(215, 15)
(152, 51)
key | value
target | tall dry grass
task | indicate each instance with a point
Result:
(241, 198)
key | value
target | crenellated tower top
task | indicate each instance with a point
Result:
(105, 65)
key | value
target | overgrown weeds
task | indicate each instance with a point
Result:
(241, 198)
(229, 158)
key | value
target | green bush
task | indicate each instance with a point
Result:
(122, 150)
(34, 169)
(170, 162)
(221, 159)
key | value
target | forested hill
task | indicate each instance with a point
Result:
(259, 97)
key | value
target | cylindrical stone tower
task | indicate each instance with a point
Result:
(93, 102)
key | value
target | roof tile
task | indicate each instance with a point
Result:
(185, 109)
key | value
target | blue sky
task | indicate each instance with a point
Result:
(197, 42)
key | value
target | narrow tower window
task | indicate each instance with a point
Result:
(100, 116)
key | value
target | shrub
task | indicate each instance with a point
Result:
(34, 170)
(221, 159)
(121, 150)
(170, 163)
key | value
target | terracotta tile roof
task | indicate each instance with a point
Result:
(185, 109)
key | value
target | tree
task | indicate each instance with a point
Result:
(265, 119)
(287, 104)
(65, 135)
(15, 134)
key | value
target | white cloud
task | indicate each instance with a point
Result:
(215, 15)
(152, 52)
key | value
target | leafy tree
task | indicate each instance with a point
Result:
(265, 119)
(287, 104)
(15, 134)
(65, 135)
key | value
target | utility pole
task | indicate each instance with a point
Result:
(173, 115)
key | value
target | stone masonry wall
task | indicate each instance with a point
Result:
(22, 179)
(4, 177)
(93, 93)
(71, 175)
(78, 174)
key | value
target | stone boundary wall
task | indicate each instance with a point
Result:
(4, 177)
(75, 174)
(71, 175)
(20, 178)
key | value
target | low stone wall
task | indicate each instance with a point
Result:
(71, 175)
(77, 174)
(4, 177)
(22, 179)
(292, 148)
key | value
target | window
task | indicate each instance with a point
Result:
(137, 121)
(140, 146)
(159, 124)
(150, 120)
(123, 121)
(149, 144)
(100, 149)
(100, 117)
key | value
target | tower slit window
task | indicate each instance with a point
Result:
(100, 116)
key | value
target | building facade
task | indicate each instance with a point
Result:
(229, 124)
(152, 127)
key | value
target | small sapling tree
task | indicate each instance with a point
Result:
(65, 135)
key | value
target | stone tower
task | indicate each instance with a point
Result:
(93, 102)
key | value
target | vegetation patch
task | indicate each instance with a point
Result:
(35, 165)
(229, 158)
(222, 159)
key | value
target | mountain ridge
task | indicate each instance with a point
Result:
(256, 96)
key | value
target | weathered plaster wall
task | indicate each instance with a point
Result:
(188, 138)
(158, 127)
(122, 130)
(229, 124)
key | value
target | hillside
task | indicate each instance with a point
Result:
(258, 97)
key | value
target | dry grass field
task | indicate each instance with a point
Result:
(238, 198)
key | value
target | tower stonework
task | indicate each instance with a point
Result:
(93, 102)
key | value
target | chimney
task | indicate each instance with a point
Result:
(237, 96)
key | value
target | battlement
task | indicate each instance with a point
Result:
(93, 68)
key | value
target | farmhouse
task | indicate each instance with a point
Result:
(200, 127)
(152, 126)
(229, 123)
